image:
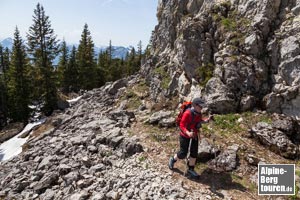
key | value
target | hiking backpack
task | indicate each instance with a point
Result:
(185, 105)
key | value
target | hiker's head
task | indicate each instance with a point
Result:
(198, 104)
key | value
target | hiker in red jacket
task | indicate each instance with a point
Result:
(189, 124)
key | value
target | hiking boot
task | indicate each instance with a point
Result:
(171, 163)
(192, 173)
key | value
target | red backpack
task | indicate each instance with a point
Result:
(186, 105)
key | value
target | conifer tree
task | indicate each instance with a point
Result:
(101, 68)
(116, 69)
(127, 67)
(4, 59)
(85, 60)
(62, 64)
(3, 101)
(4, 65)
(140, 51)
(110, 52)
(70, 76)
(1, 59)
(131, 62)
(43, 47)
(18, 81)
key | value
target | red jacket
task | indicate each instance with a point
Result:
(190, 121)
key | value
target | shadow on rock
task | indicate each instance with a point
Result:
(1, 154)
(216, 180)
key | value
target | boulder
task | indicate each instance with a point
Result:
(275, 139)
(206, 151)
(226, 161)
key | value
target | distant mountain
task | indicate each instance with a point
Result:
(118, 51)
(7, 42)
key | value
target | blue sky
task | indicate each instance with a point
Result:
(124, 22)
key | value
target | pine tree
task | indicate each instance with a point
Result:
(132, 66)
(140, 51)
(101, 68)
(43, 48)
(62, 64)
(110, 52)
(3, 101)
(18, 81)
(116, 69)
(70, 76)
(4, 59)
(85, 60)
(1, 59)
(4, 62)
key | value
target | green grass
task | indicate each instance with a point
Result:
(229, 24)
(142, 158)
(251, 119)
(204, 73)
(228, 124)
(133, 100)
(166, 79)
(141, 87)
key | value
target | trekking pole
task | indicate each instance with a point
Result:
(188, 155)
(214, 144)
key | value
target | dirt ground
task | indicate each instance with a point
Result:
(161, 143)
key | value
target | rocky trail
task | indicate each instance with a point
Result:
(98, 149)
(86, 153)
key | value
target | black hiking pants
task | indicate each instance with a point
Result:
(184, 147)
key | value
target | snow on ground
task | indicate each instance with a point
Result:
(74, 100)
(13, 146)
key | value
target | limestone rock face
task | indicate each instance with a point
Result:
(241, 54)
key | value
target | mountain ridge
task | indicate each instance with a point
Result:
(118, 51)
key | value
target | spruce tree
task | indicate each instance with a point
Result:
(70, 76)
(43, 48)
(101, 68)
(86, 62)
(110, 52)
(116, 69)
(62, 64)
(1, 58)
(18, 81)
(4, 61)
(132, 63)
(140, 51)
(3, 101)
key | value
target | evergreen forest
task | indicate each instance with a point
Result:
(28, 75)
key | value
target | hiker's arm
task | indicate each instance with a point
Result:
(207, 119)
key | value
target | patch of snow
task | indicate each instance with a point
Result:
(13, 146)
(74, 100)
(32, 106)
